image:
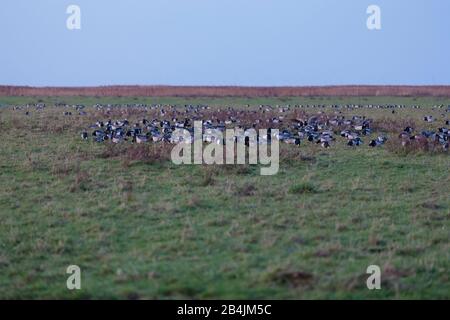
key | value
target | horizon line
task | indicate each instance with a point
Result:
(220, 85)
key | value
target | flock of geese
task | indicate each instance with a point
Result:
(293, 124)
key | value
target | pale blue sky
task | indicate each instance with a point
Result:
(224, 42)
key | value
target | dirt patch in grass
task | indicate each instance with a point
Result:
(293, 278)
(246, 190)
(431, 205)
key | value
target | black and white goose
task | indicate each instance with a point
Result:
(408, 130)
(355, 142)
(378, 141)
(325, 144)
(141, 138)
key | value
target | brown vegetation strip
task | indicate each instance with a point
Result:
(227, 91)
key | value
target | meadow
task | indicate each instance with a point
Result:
(141, 227)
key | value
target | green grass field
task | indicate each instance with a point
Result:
(154, 230)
